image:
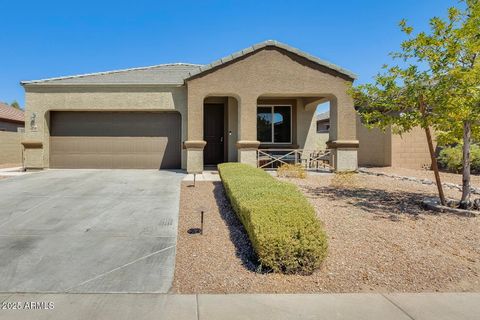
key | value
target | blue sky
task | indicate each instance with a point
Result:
(42, 39)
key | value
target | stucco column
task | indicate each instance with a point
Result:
(36, 133)
(343, 133)
(195, 143)
(247, 130)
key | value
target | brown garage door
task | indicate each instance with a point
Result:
(116, 140)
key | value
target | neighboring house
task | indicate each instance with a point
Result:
(382, 149)
(189, 116)
(323, 130)
(11, 119)
(11, 128)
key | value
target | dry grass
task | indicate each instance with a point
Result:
(291, 171)
(380, 240)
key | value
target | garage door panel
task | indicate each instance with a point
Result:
(115, 124)
(135, 161)
(115, 140)
(80, 145)
(156, 145)
(81, 161)
(119, 145)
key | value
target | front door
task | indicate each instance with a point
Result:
(213, 134)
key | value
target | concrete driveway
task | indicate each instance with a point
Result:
(88, 231)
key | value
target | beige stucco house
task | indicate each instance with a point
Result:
(190, 116)
(323, 130)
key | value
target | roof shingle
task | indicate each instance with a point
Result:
(10, 113)
(169, 74)
(175, 73)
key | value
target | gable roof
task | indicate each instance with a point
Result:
(276, 44)
(177, 73)
(167, 74)
(10, 113)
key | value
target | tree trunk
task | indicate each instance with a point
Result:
(467, 134)
(433, 157)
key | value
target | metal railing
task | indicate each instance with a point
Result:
(309, 159)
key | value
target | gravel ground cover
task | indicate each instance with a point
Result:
(380, 240)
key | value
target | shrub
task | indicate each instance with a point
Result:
(291, 171)
(344, 179)
(451, 158)
(280, 222)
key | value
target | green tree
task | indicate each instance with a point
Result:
(15, 105)
(435, 84)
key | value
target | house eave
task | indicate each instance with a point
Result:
(80, 85)
(12, 121)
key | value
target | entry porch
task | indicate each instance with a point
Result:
(281, 130)
(269, 94)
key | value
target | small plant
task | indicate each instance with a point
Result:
(344, 179)
(291, 171)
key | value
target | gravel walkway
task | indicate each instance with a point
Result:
(380, 240)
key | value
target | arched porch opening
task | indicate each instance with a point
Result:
(220, 129)
(287, 131)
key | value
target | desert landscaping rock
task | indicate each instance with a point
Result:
(418, 174)
(434, 205)
(380, 240)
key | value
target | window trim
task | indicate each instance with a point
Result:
(272, 106)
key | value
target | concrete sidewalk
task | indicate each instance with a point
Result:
(407, 306)
(14, 172)
(206, 175)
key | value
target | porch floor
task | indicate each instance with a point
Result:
(206, 175)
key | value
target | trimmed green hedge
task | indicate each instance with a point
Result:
(280, 222)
